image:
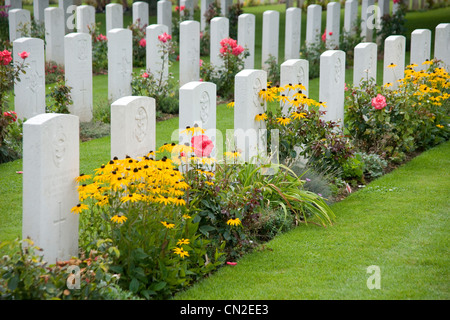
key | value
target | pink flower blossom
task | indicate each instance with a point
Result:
(330, 33)
(396, 1)
(237, 50)
(11, 115)
(202, 145)
(143, 42)
(164, 37)
(145, 75)
(379, 102)
(201, 62)
(5, 57)
(324, 35)
(231, 263)
(101, 37)
(23, 55)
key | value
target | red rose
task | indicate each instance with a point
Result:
(143, 42)
(202, 145)
(24, 55)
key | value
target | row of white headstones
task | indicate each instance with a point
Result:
(51, 141)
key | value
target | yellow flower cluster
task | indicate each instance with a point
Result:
(180, 250)
(133, 180)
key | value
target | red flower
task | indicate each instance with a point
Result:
(237, 50)
(101, 38)
(11, 115)
(145, 75)
(202, 145)
(231, 263)
(379, 102)
(330, 33)
(164, 37)
(5, 57)
(143, 42)
(324, 35)
(24, 55)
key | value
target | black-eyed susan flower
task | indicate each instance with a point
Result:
(183, 241)
(300, 86)
(260, 117)
(132, 197)
(193, 130)
(83, 177)
(283, 98)
(387, 85)
(168, 225)
(186, 216)
(321, 104)
(232, 154)
(79, 207)
(283, 120)
(427, 62)
(119, 219)
(440, 126)
(267, 95)
(391, 65)
(234, 222)
(230, 104)
(298, 115)
(181, 252)
(289, 86)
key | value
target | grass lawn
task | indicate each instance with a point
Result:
(398, 222)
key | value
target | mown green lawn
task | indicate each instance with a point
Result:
(399, 223)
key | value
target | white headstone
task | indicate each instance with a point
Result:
(189, 8)
(198, 107)
(292, 38)
(225, 7)
(156, 62)
(420, 48)
(85, 18)
(189, 51)
(246, 37)
(294, 71)
(365, 62)
(140, 12)
(120, 63)
(78, 73)
(38, 10)
(313, 24)
(54, 35)
(50, 165)
(29, 92)
(19, 24)
(384, 7)
(442, 44)
(133, 126)
(351, 16)
(14, 4)
(332, 84)
(204, 6)
(69, 8)
(394, 55)
(249, 134)
(333, 25)
(219, 31)
(164, 14)
(366, 13)
(114, 16)
(270, 36)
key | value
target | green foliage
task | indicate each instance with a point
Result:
(99, 50)
(59, 98)
(139, 44)
(393, 24)
(26, 276)
(415, 115)
(223, 76)
(273, 70)
(374, 165)
(353, 169)
(53, 72)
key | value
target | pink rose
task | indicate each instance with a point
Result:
(379, 102)
(101, 38)
(237, 50)
(24, 55)
(143, 42)
(324, 35)
(5, 57)
(164, 37)
(145, 75)
(202, 145)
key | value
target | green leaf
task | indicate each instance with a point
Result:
(134, 285)
(13, 282)
(159, 286)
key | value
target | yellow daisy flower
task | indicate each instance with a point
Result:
(183, 241)
(119, 219)
(231, 104)
(168, 225)
(260, 117)
(428, 62)
(79, 207)
(283, 121)
(234, 222)
(83, 177)
(181, 252)
(298, 115)
(392, 65)
(440, 126)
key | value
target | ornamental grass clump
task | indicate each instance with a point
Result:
(392, 122)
